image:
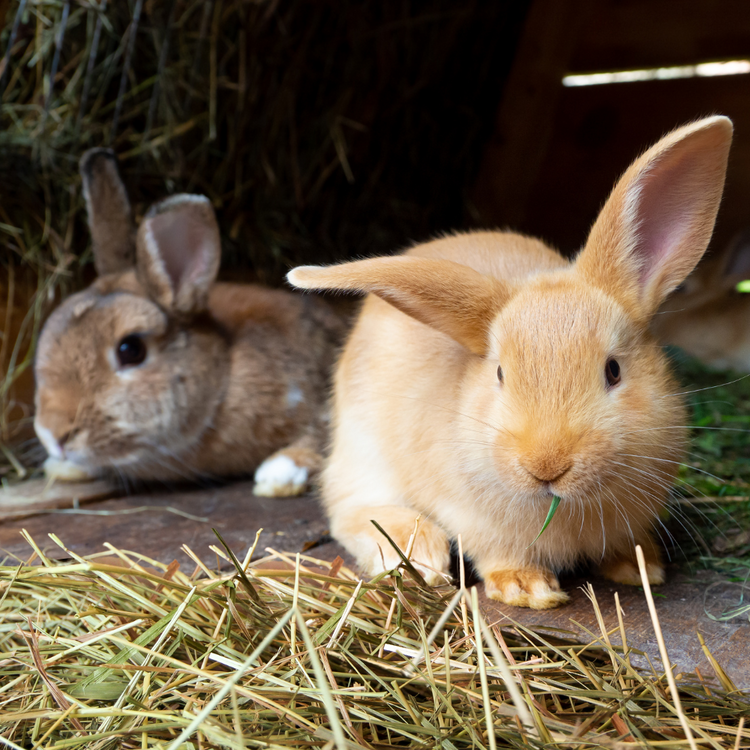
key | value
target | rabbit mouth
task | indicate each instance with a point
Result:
(81, 456)
(91, 455)
(577, 484)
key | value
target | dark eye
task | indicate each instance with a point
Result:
(500, 374)
(131, 351)
(612, 372)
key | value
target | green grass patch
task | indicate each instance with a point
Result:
(711, 517)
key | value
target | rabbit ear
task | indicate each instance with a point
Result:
(657, 222)
(109, 213)
(178, 252)
(452, 298)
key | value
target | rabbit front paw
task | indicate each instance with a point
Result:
(279, 476)
(624, 570)
(526, 587)
(427, 543)
(430, 554)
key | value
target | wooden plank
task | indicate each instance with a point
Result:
(158, 523)
(40, 495)
(685, 607)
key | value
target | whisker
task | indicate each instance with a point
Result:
(708, 387)
(676, 463)
(497, 428)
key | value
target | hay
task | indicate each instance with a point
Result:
(117, 650)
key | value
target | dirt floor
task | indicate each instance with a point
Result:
(158, 523)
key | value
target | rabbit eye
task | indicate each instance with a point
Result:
(612, 372)
(131, 351)
(500, 374)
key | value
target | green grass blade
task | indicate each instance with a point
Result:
(552, 508)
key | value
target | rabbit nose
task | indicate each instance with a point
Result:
(54, 430)
(547, 470)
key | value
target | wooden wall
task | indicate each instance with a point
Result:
(557, 151)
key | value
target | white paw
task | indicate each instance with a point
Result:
(279, 476)
(66, 471)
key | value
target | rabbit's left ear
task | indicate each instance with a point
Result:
(178, 250)
(658, 221)
(447, 296)
(108, 209)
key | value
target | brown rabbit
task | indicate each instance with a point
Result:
(706, 316)
(487, 374)
(157, 372)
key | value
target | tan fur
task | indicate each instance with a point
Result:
(234, 374)
(707, 317)
(423, 426)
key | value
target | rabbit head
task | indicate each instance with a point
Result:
(128, 372)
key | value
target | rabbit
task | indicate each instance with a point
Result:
(486, 374)
(707, 316)
(157, 372)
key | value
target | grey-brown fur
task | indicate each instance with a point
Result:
(234, 373)
(108, 207)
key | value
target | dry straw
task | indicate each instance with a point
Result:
(115, 650)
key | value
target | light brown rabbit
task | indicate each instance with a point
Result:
(706, 316)
(487, 374)
(156, 372)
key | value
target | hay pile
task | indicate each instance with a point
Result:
(320, 130)
(117, 650)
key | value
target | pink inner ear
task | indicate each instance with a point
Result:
(185, 245)
(665, 211)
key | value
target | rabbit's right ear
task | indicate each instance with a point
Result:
(109, 213)
(657, 222)
(178, 250)
(448, 296)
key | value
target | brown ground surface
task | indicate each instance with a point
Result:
(148, 523)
